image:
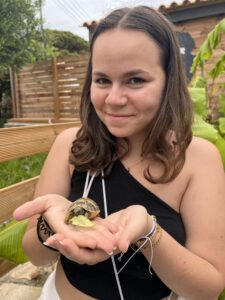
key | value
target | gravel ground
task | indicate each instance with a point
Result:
(24, 282)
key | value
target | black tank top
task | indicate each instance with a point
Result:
(98, 281)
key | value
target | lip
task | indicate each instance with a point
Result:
(119, 116)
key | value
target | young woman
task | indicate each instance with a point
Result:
(159, 189)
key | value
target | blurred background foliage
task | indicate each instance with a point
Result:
(23, 40)
(208, 92)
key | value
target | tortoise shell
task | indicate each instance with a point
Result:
(82, 206)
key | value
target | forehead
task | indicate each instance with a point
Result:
(125, 46)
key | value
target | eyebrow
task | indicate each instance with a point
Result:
(127, 74)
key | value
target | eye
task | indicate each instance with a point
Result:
(136, 81)
(102, 81)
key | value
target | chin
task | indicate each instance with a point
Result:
(119, 133)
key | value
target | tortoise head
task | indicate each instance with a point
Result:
(83, 206)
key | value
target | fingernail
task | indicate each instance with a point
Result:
(61, 242)
(114, 248)
(46, 244)
(110, 253)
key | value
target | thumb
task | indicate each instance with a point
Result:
(124, 241)
(131, 233)
(29, 209)
(127, 237)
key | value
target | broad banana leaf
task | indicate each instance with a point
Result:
(203, 129)
(222, 125)
(220, 144)
(207, 131)
(222, 295)
(11, 236)
(198, 96)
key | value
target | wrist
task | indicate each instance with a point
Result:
(150, 224)
(153, 236)
(44, 231)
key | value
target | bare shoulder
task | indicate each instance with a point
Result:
(67, 136)
(201, 151)
(203, 203)
(55, 174)
(200, 144)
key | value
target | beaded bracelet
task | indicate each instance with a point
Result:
(154, 236)
(44, 231)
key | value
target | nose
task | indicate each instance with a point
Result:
(116, 96)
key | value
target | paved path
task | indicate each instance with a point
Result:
(23, 282)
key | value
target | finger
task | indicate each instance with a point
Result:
(104, 242)
(126, 237)
(51, 242)
(97, 237)
(80, 239)
(82, 255)
(133, 230)
(102, 230)
(69, 249)
(109, 225)
(93, 257)
(124, 240)
(30, 209)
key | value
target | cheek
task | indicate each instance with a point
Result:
(97, 97)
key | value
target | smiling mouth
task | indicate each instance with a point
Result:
(118, 115)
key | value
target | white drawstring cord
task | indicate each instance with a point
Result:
(137, 250)
(88, 185)
(85, 194)
(87, 188)
(112, 257)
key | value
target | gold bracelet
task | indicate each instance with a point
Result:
(156, 238)
(153, 239)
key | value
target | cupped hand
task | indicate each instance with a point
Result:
(81, 255)
(133, 222)
(53, 208)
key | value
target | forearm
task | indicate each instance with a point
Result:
(184, 272)
(37, 253)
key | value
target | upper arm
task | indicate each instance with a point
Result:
(55, 174)
(203, 204)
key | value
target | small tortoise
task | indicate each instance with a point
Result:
(81, 212)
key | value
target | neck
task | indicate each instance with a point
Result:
(135, 148)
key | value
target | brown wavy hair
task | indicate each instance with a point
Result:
(96, 148)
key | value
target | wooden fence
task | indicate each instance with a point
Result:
(49, 89)
(21, 142)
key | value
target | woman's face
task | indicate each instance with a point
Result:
(127, 82)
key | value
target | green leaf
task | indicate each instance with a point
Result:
(222, 125)
(218, 68)
(222, 103)
(81, 221)
(11, 236)
(198, 82)
(214, 37)
(198, 96)
(203, 129)
(222, 25)
(222, 295)
(207, 131)
(220, 144)
(206, 50)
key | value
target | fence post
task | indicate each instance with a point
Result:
(55, 89)
(14, 93)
